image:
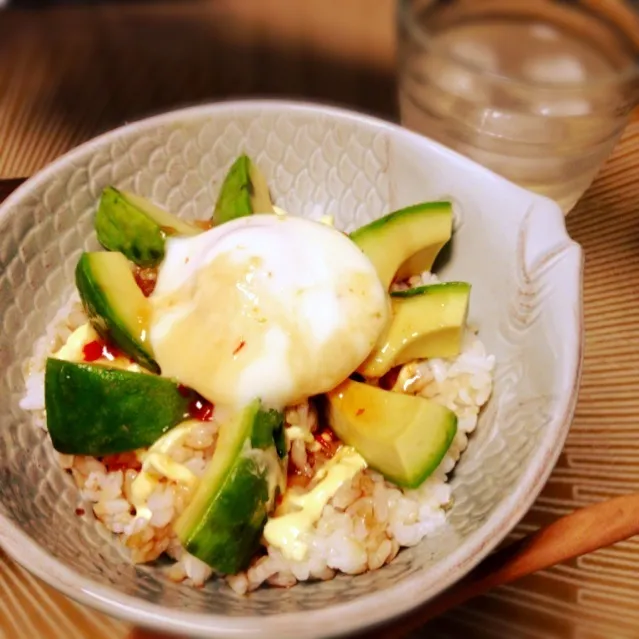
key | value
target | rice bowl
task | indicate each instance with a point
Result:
(367, 521)
(285, 336)
(484, 506)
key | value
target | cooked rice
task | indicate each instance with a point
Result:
(365, 523)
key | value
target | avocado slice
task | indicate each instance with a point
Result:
(116, 306)
(96, 410)
(223, 523)
(404, 437)
(132, 225)
(427, 321)
(244, 192)
(406, 242)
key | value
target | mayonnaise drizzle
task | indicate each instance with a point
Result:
(157, 463)
(285, 532)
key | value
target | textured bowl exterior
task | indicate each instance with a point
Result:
(526, 299)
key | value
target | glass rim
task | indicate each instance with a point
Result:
(406, 16)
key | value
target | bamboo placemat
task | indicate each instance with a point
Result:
(68, 74)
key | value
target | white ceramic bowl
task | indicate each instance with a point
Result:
(510, 244)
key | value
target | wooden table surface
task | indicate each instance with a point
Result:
(68, 73)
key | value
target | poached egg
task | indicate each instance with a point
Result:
(270, 306)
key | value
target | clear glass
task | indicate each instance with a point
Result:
(536, 90)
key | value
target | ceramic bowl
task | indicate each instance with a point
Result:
(510, 244)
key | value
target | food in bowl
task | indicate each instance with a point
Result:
(260, 396)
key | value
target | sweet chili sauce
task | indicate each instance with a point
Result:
(146, 279)
(121, 461)
(199, 408)
(99, 348)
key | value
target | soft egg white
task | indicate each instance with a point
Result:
(268, 306)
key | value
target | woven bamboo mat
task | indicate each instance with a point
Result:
(68, 74)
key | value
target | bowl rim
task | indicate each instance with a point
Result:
(365, 611)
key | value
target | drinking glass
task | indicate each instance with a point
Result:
(536, 90)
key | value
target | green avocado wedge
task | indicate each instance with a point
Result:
(116, 306)
(406, 242)
(223, 523)
(136, 227)
(404, 437)
(95, 410)
(427, 321)
(243, 192)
